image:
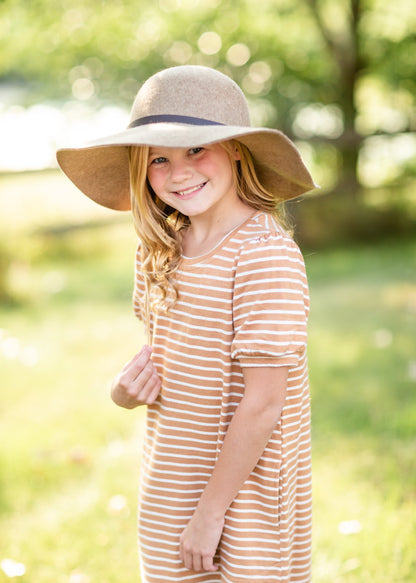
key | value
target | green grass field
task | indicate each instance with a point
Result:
(69, 458)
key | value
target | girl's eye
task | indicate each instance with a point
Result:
(194, 151)
(159, 160)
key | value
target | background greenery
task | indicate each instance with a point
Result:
(338, 77)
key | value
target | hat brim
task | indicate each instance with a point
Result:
(101, 168)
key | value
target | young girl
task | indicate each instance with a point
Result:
(225, 492)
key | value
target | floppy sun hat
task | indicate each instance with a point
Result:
(184, 107)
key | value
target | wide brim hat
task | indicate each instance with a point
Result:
(184, 107)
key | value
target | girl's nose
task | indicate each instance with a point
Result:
(179, 170)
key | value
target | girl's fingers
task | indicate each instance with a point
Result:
(208, 564)
(137, 372)
(148, 384)
(139, 361)
(143, 375)
(155, 390)
(138, 382)
(133, 367)
(187, 560)
(131, 362)
(197, 563)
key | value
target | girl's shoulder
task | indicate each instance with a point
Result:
(266, 247)
(264, 232)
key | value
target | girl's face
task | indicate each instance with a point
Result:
(194, 181)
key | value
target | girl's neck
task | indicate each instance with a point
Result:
(204, 234)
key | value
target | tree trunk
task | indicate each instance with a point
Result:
(346, 55)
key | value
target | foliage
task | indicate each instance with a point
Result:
(334, 71)
(304, 42)
(335, 75)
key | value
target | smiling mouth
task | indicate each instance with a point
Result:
(190, 190)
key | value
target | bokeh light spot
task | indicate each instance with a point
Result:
(209, 43)
(83, 89)
(180, 52)
(238, 54)
(319, 120)
(12, 568)
(260, 72)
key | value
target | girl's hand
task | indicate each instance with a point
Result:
(199, 541)
(137, 383)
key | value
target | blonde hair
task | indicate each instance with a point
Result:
(158, 225)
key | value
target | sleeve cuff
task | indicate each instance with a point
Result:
(274, 361)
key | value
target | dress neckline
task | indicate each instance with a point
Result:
(198, 258)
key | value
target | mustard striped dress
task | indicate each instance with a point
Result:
(243, 304)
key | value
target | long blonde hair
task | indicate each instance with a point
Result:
(158, 225)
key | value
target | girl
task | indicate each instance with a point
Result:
(225, 494)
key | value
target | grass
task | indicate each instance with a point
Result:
(69, 460)
(362, 355)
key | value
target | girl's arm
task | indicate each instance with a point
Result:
(247, 436)
(137, 383)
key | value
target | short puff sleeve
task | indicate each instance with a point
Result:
(270, 303)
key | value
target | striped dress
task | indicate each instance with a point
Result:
(243, 304)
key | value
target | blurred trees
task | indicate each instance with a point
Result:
(336, 75)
